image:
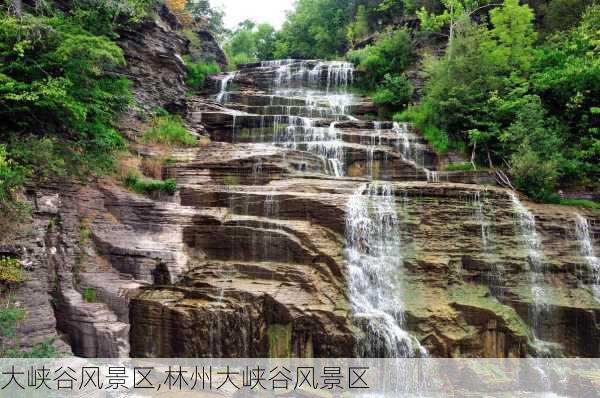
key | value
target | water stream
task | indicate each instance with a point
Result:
(222, 96)
(589, 253)
(375, 268)
(539, 308)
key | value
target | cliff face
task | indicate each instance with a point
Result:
(154, 52)
(58, 247)
(301, 230)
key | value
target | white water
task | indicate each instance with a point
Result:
(372, 145)
(533, 245)
(478, 204)
(374, 258)
(588, 252)
(402, 139)
(224, 85)
(338, 73)
(301, 132)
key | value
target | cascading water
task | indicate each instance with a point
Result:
(338, 73)
(374, 258)
(588, 252)
(305, 105)
(402, 139)
(222, 96)
(412, 153)
(373, 144)
(479, 213)
(495, 275)
(533, 245)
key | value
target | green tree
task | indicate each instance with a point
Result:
(391, 54)
(250, 43)
(534, 110)
(513, 35)
(61, 91)
(266, 38)
(315, 29)
(394, 92)
(359, 29)
(566, 74)
(564, 14)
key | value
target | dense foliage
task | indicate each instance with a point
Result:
(249, 43)
(534, 109)
(60, 91)
(329, 28)
(198, 71)
(315, 29)
(392, 53)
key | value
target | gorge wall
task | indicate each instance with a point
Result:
(304, 228)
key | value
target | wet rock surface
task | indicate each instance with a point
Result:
(254, 255)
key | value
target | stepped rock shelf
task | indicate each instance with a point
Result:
(304, 230)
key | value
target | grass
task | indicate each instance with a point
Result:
(197, 72)
(89, 295)
(589, 204)
(459, 167)
(85, 232)
(10, 317)
(11, 270)
(169, 130)
(145, 186)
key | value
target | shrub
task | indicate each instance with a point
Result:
(169, 130)
(536, 177)
(391, 54)
(197, 72)
(145, 186)
(11, 270)
(89, 295)
(395, 92)
(419, 115)
(590, 204)
(85, 232)
(60, 90)
(239, 59)
(42, 350)
(459, 167)
(10, 316)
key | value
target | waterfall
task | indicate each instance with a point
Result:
(276, 63)
(224, 85)
(480, 217)
(402, 139)
(338, 73)
(588, 252)
(412, 153)
(495, 275)
(373, 144)
(432, 175)
(325, 142)
(533, 245)
(374, 260)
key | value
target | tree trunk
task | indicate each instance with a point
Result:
(473, 154)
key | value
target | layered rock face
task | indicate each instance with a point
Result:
(154, 51)
(299, 260)
(306, 229)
